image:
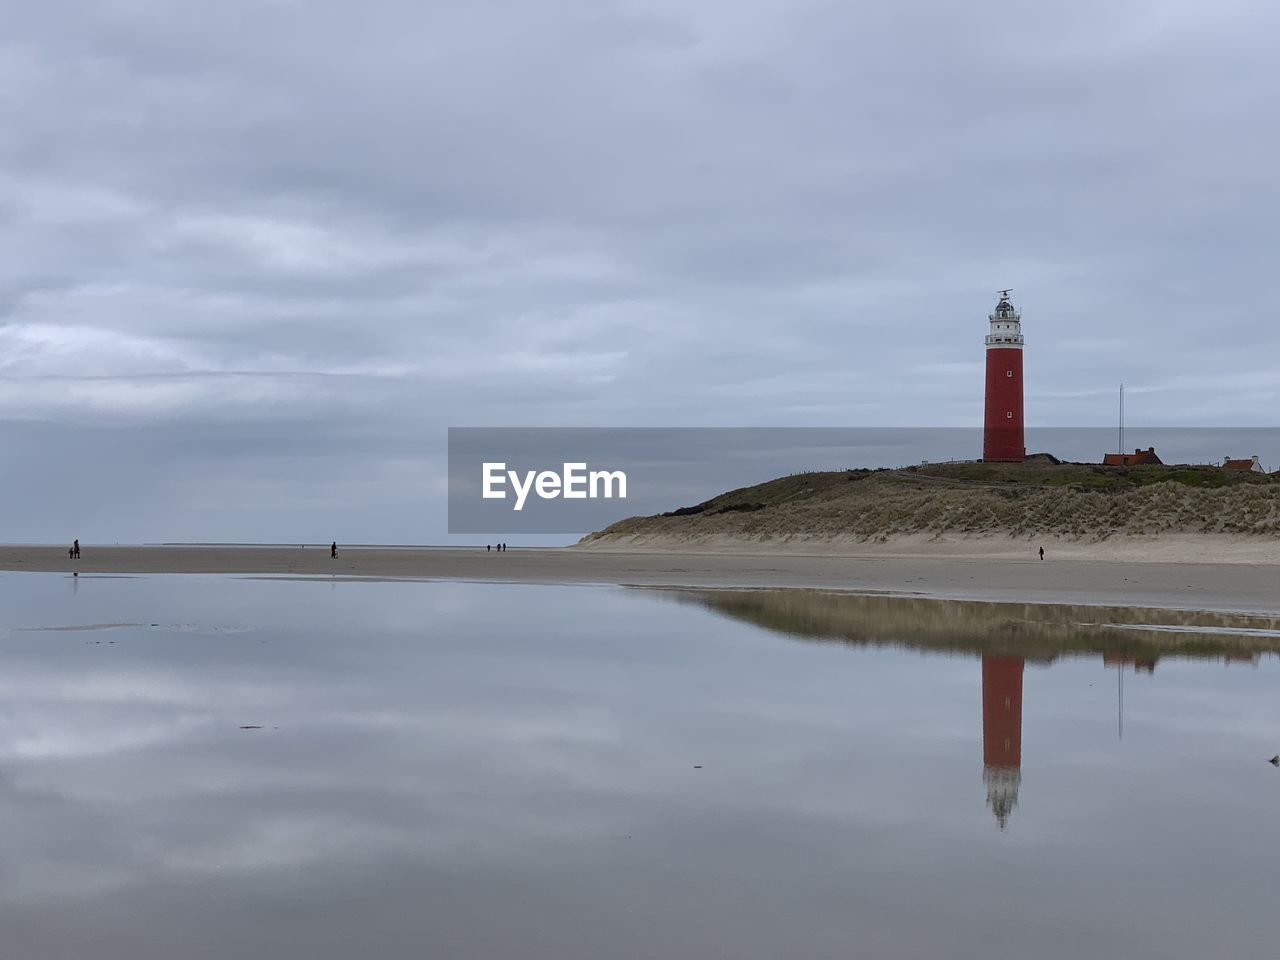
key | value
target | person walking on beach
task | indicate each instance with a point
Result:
(75, 545)
(333, 550)
(1042, 553)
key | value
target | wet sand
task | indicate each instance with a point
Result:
(1182, 585)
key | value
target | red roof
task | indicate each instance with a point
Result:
(1134, 459)
(1238, 464)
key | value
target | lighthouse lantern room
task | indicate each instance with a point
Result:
(1002, 437)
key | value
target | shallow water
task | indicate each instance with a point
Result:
(493, 770)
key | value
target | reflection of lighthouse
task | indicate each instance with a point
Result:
(1002, 733)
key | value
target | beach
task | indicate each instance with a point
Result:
(1220, 581)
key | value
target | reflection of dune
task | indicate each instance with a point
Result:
(1038, 632)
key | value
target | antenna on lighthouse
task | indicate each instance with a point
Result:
(1121, 437)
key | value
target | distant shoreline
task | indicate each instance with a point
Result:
(983, 572)
(285, 544)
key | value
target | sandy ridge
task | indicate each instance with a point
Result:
(969, 573)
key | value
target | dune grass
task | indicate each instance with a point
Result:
(1070, 500)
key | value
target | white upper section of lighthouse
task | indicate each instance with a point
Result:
(1006, 325)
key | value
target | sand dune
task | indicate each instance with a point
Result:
(1089, 510)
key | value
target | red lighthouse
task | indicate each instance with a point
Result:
(1002, 733)
(1002, 437)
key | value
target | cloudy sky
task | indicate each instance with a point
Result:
(255, 258)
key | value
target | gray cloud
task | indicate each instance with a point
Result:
(363, 225)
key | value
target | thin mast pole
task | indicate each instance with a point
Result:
(1121, 437)
(1120, 699)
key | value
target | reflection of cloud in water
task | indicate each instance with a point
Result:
(361, 763)
(173, 627)
(75, 627)
(49, 738)
(451, 754)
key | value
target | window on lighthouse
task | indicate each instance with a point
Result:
(1008, 414)
(1008, 373)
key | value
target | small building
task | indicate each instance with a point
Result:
(1135, 459)
(1251, 465)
